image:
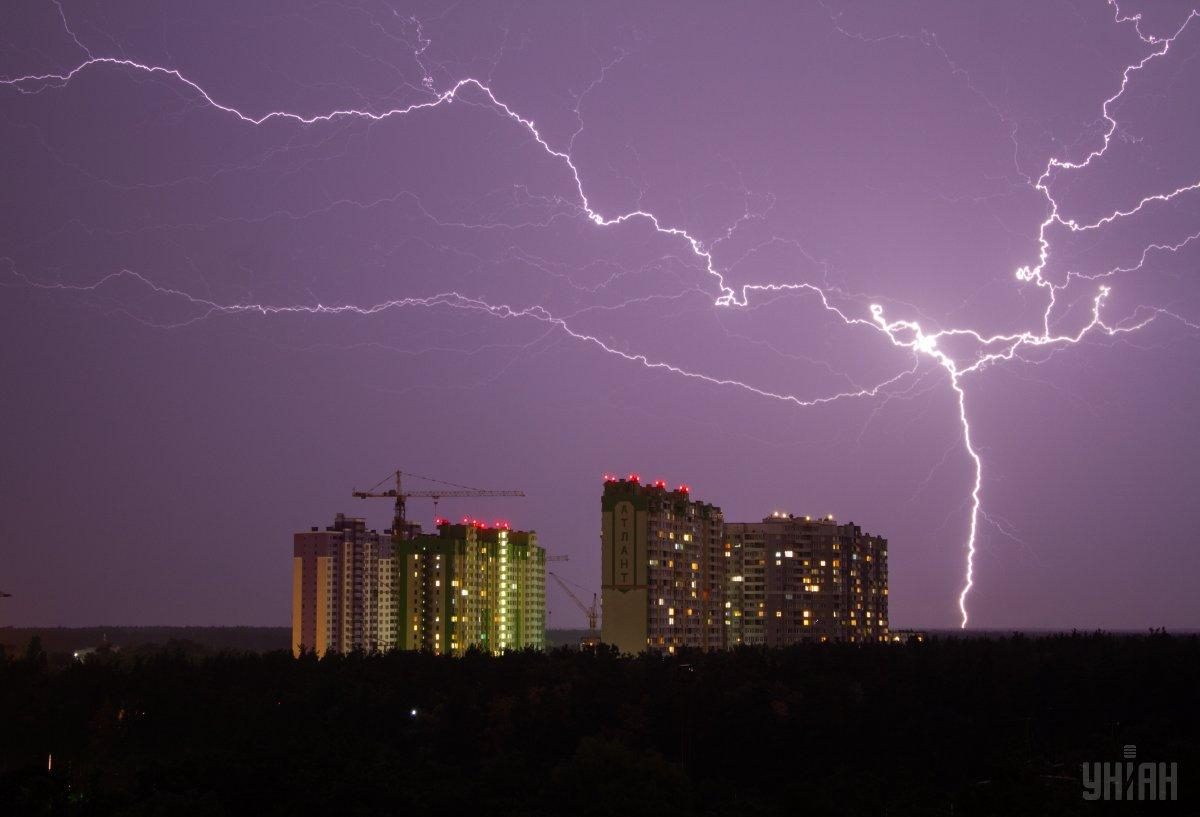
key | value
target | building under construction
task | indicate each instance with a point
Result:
(470, 584)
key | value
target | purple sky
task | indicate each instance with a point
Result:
(161, 443)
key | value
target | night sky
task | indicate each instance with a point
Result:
(575, 239)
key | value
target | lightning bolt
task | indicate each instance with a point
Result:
(907, 335)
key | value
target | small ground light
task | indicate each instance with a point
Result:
(412, 713)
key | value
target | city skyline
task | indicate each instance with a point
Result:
(928, 267)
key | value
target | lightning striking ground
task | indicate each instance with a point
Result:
(907, 335)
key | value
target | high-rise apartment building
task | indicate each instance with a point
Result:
(745, 607)
(468, 585)
(663, 568)
(675, 574)
(820, 580)
(340, 588)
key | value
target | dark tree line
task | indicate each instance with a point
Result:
(950, 726)
(59, 640)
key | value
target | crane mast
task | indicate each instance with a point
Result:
(592, 639)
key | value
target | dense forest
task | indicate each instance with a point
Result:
(994, 726)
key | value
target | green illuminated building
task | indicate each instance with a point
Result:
(470, 585)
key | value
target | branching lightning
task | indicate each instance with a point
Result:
(903, 334)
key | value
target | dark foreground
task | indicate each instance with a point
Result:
(948, 727)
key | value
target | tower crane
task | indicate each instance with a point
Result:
(592, 639)
(400, 522)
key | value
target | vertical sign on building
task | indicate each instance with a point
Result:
(623, 565)
(624, 545)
